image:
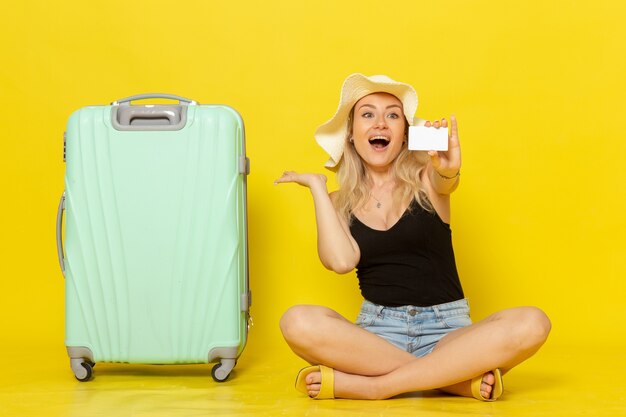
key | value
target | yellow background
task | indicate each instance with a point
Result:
(537, 87)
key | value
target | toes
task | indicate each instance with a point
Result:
(489, 379)
(314, 390)
(487, 385)
(314, 378)
(486, 388)
(314, 383)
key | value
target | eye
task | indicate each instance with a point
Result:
(393, 115)
(367, 115)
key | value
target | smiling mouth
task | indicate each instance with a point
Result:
(379, 142)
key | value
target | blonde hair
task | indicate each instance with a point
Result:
(354, 182)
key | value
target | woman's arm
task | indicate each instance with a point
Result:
(444, 169)
(336, 248)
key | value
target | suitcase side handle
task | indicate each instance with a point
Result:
(127, 100)
(59, 232)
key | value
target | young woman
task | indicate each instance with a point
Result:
(390, 220)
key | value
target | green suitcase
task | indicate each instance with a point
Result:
(154, 247)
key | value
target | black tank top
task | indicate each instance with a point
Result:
(412, 263)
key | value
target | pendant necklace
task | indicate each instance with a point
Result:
(378, 203)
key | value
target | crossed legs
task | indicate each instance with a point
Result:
(368, 367)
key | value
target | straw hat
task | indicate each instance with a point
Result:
(332, 135)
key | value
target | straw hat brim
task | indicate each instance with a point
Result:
(331, 136)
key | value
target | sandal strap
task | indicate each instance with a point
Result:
(327, 389)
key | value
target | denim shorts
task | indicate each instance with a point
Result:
(414, 329)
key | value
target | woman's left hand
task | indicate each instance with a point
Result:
(447, 163)
(306, 180)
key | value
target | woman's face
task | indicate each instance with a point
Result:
(378, 129)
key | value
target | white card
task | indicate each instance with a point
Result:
(422, 138)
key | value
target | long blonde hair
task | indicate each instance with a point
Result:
(354, 183)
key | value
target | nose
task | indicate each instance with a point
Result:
(381, 122)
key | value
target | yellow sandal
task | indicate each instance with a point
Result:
(498, 386)
(327, 388)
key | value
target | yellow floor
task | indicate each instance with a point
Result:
(39, 383)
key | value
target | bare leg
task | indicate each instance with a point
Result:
(503, 340)
(320, 335)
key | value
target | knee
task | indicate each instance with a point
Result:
(531, 328)
(297, 322)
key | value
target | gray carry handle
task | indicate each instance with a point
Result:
(129, 113)
(59, 233)
(127, 100)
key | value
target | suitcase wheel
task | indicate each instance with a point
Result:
(221, 371)
(83, 370)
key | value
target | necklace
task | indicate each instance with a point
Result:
(378, 203)
(383, 190)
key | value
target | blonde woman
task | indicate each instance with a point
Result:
(390, 220)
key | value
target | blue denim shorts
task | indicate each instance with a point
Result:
(414, 329)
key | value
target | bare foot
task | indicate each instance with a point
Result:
(363, 387)
(464, 388)
(350, 386)
(313, 383)
(487, 385)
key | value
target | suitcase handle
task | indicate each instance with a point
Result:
(59, 232)
(149, 115)
(127, 100)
